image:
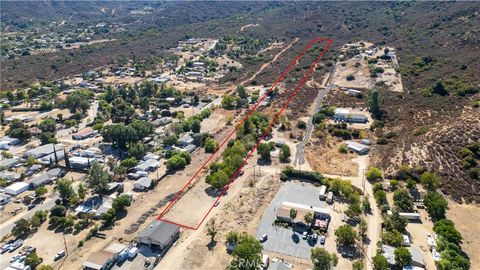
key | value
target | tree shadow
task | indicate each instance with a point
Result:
(211, 245)
(263, 162)
(349, 252)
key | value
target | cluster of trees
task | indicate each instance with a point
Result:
(121, 135)
(447, 86)
(345, 189)
(290, 172)
(194, 123)
(24, 227)
(449, 238)
(78, 101)
(470, 156)
(48, 131)
(247, 135)
(177, 160)
(17, 129)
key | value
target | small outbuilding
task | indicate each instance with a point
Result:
(142, 184)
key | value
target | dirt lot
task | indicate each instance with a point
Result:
(327, 159)
(240, 212)
(362, 74)
(467, 220)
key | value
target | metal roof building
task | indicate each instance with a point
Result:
(159, 233)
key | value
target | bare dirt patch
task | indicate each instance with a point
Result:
(325, 158)
(467, 220)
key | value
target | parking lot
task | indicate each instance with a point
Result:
(285, 240)
(145, 253)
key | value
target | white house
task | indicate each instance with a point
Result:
(17, 188)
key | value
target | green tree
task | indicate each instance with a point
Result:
(81, 191)
(65, 189)
(129, 162)
(212, 230)
(33, 260)
(247, 253)
(264, 151)
(402, 200)
(363, 227)
(232, 237)
(402, 257)
(176, 162)
(429, 180)
(380, 197)
(41, 191)
(98, 178)
(21, 228)
(210, 145)
(58, 211)
(436, 205)
(17, 129)
(374, 174)
(322, 259)
(380, 263)
(284, 153)
(446, 229)
(358, 265)
(109, 216)
(374, 103)
(137, 150)
(345, 235)
(218, 179)
(121, 202)
(393, 238)
(396, 222)
(353, 211)
(308, 218)
(293, 213)
(196, 126)
(242, 92)
(47, 125)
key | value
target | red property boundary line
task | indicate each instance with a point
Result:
(287, 70)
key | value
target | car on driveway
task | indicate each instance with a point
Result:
(322, 239)
(263, 238)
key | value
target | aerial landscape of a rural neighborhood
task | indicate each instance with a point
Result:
(239, 135)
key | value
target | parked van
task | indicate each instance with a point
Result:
(330, 197)
(265, 261)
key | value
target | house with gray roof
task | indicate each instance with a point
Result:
(43, 150)
(8, 163)
(160, 234)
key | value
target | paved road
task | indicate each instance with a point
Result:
(300, 153)
(7, 226)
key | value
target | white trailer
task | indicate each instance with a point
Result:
(330, 197)
(322, 193)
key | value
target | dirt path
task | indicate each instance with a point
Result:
(374, 220)
(264, 66)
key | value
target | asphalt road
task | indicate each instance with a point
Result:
(300, 153)
(7, 227)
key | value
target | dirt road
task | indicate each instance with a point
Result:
(264, 66)
(374, 220)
